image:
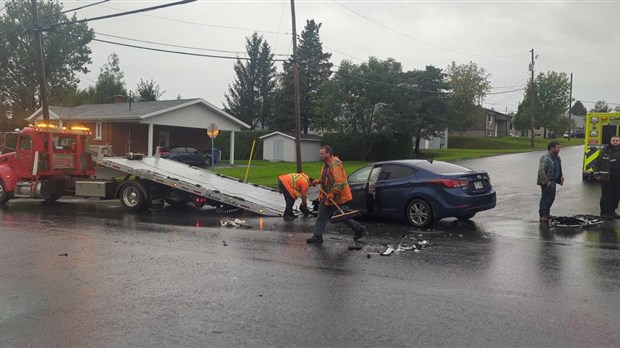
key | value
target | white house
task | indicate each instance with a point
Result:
(279, 146)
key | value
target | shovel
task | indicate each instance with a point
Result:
(341, 215)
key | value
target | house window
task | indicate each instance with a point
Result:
(98, 131)
(490, 119)
(164, 139)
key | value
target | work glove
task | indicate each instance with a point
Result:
(330, 197)
(304, 209)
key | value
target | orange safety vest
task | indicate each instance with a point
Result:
(296, 184)
(334, 180)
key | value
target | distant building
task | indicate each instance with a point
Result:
(280, 146)
(491, 124)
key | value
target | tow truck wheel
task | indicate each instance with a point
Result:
(132, 196)
(4, 196)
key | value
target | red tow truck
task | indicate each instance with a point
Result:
(46, 163)
(50, 162)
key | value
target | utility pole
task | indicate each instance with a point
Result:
(296, 83)
(570, 102)
(533, 96)
(40, 64)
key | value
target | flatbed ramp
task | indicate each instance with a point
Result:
(259, 199)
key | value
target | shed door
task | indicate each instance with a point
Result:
(278, 150)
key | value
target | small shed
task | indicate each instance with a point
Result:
(279, 146)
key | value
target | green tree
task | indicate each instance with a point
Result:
(551, 93)
(578, 109)
(379, 98)
(314, 72)
(110, 81)
(249, 98)
(470, 84)
(431, 114)
(601, 106)
(66, 53)
(148, 91)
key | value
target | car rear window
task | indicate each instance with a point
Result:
(443, 168)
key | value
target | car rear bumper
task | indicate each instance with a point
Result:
(464, 205)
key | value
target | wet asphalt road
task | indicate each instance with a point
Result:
(90, 274)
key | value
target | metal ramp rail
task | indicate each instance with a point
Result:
(258, 199)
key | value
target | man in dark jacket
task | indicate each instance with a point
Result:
(549, 174)
(607, 171)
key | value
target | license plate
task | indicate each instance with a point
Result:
(478, 185)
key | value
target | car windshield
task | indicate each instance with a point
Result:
(443, 168)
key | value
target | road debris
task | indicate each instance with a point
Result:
(235, 223)
(575, 221)
(224, 243)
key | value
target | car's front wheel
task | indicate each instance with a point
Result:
(207, 161)
(419, 213)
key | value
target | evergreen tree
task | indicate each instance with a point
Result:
(314, 72)
(249, 98)
(110, 81)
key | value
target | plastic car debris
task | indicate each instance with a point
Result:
(387, 251)
(235, 223)
(355, 247)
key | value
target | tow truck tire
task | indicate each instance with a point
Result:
(4, 195)
(133, 196)
(52, 191)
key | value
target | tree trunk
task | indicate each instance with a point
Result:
(416, 149)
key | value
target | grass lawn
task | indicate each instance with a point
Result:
(266, 173)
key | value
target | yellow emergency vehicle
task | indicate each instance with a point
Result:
(599, 129)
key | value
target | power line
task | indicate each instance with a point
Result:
(179, 52)
(418, 40)
(202, 24)
(182, 2)
(180, 46)
(81, 7)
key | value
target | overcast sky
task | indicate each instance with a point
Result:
(579, 37)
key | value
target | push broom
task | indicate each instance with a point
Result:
(341, 215)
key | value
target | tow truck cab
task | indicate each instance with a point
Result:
(45, 163)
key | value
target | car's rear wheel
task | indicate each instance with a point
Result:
(419, 213)
(466, 216)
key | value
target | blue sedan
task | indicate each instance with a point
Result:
(421, 191)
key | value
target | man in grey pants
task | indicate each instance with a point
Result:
(336, 191)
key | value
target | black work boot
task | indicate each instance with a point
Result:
(314, 239)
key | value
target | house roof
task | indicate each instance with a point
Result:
(304, 137)
(135, 111)
(498, 115)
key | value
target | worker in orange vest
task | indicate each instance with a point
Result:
(293, 186)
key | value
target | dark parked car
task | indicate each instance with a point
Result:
(421, 191)
(187, 155)
(579, 134)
